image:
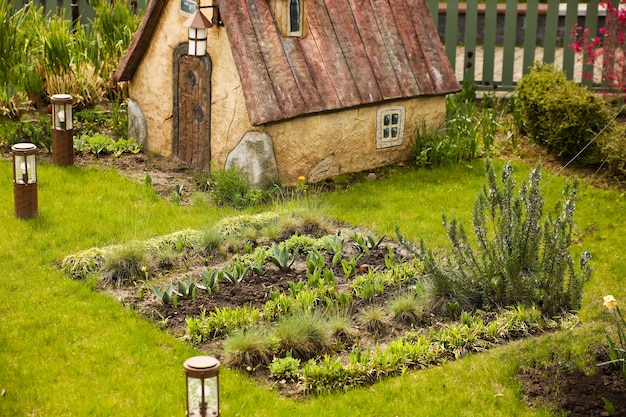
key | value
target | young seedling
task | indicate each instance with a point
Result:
(187, 288)
(373, 242)
(210, 278)
(349, 266)
(257, 265)
(360, 243)
(282, 257)
(314, 261)
(235, 272)
(167, 295)
(335, 247)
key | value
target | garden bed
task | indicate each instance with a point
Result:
(368, 295)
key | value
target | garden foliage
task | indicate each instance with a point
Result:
(520, 257)
(560, 114)
(43, 54)
(605, 49)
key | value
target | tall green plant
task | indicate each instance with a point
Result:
(518, 259)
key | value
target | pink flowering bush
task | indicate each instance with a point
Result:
(605, 50)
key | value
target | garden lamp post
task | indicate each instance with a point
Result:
(62, 129)
(25, 180)
(203, 391)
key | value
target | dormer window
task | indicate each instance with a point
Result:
(290, 17)
(294, 22)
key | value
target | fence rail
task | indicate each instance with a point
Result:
(496, 44)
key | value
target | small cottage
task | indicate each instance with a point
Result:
(287, 88)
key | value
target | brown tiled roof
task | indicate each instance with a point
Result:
(354, 52)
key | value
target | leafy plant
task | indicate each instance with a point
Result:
(560, 114)
(231, 187)
(235, 272)
(360, 243)
(178, 192)
(282, 257)
(314, 261)
(167, 295)
(211, 277)
(389, 257)
(285, 368)
(335, 247)
(349, 266)
(221, 321)
(187, 288)
(373, 242)
(257, 264)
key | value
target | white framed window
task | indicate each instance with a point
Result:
(390, 126)
(294, 17)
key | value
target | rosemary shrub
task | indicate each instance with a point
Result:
(518, 259)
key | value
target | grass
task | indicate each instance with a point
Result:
(67, 350)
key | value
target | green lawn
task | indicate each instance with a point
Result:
(67, 350)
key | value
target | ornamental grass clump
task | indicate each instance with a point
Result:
(302, 335)
(406, 309)
(248, 349)
(125, 263)
(520, 257)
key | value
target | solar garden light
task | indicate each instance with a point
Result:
(62, 129)
(25, 180)
(203, 391)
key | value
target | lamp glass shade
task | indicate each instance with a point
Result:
(62, 112)
(202, 395)
(24, 163)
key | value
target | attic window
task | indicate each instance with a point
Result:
(294, 21)
(390, 126)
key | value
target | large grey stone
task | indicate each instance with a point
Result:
(137, 126)
(254, 155)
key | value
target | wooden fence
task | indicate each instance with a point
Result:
(498, 43)
(487, 42)
(79, 11)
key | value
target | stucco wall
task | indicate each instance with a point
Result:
(346, 140)
(152, 85)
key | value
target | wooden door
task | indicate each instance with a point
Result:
(192, 107)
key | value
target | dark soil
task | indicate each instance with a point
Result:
(578, 394)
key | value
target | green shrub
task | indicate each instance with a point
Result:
(560, 114)
(613, 148)
(231, 187)
(519, 260)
